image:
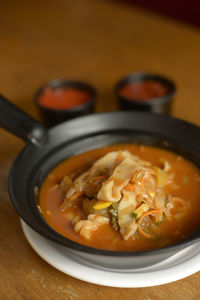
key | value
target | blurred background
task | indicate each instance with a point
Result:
(186, 11)
(99, 41)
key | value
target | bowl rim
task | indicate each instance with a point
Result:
(143, 76)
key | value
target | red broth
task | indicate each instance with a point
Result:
(143, 90)
(186, 185)
(63, 98)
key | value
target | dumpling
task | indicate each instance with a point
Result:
(107, 162)
(111, 188)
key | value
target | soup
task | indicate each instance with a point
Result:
(123, 198)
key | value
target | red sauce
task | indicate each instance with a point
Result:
(63, 98)
(143, 90)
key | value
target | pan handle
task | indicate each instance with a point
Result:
(20, 124)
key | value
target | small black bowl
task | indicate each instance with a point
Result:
(158, 104)
(52, 116)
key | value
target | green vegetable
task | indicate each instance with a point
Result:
(113, 211)
(166, 200)
(134, 215)
(148, 229)
(140, 210)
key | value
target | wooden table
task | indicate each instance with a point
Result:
(95, 41)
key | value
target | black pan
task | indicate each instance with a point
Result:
(45, 149)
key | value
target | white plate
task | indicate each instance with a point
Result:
(180, 265)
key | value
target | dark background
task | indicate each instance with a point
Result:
(186, 11)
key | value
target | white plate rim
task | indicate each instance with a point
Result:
(51, 252)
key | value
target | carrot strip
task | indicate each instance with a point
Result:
(75, 196)
(66, 201)
(129, 187)
(147, 213)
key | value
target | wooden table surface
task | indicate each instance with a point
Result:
(98, 42)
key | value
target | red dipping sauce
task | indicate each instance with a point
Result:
(143, 90)
(63, 98)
